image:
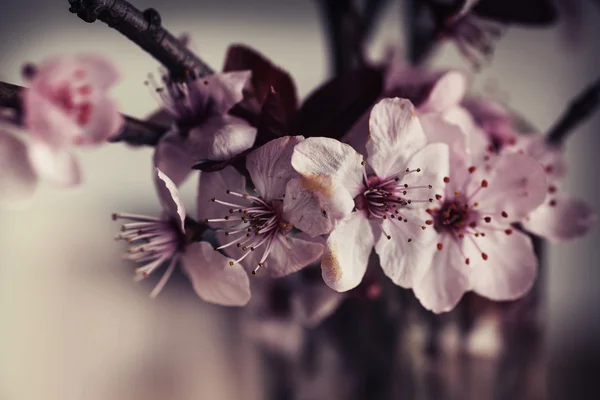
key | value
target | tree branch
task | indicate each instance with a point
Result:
(580, 108)
(134, 131)
(144, 29)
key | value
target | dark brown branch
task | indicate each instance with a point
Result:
(134, 131)
(144, 29)
(580, 108)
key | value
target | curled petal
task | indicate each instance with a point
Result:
(346, 254)
(219, 138)
(510, 268)
(56, 165)
(561, 217)
(17, 179)
(169, 198)
(213, 279)
(270, 166)
(395, 135)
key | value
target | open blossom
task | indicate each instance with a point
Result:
(389, 200)
(477, 247)
(492, 133)
(66, 105)
(158, 241)
(201, 129)
(257, 227)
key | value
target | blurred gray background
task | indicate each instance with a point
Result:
(75, 326)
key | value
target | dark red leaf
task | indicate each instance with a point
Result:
(265, 75)
(334, 107)
(527, 12)
(272, 122)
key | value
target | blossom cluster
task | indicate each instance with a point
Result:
(444, 187)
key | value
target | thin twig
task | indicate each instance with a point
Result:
(144, 29)
(134, 131)
(580, 108)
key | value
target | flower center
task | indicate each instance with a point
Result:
(259, 225)
(153, 242)
(389, 198)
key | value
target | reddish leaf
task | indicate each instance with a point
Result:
(265, 75)
(334, 107)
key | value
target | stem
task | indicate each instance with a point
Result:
(579, 109)
(134, 131)
(144, 29)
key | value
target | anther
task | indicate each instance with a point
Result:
(488, 219)
(446, 179)
(409, 240)
(429, 222)
(213, 199)
(484, 256)
(438, 196)
(552, 203)
(231, 263)
(472, 169)
(430, 187)
(422, 227)
(508, 231)
(467, 261)
(504, 214)
(484, 183)
(418, 169)
(440, 246)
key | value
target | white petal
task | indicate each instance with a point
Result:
(395, 135)
(215, 185)
(270, 166)
(169, 197)
(213, 279)
(434, 164)
(447, 91)
(510, 269)
(347, 253)
(292, 253)
(17, 177)
(220, 138)
(172, 157)
(56, 165)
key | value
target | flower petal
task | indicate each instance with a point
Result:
(347, 253)
(316, 205)
(213, 279)
(105, 122)
(220, 138)
(17, 179)
(447, 92)
(447, 279)
(56, 165)
(270, 166)
(395, 135)
(510, 269)
(215, 185)
(292, 253)
(172, 157)
(561, 218)
(225, 90)
(169, 198)
(517, 185)
(319, 157)
(406, 256)
(434, 164)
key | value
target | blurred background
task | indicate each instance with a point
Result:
(74, 324)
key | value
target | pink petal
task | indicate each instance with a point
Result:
(517, 185)
(551, 158)
(561, 217)
(169, 198)
(404, 261)
(434, 164)
(347, 253)
(105, 122)
(318, 157)
(100, 71)
(56, 165)
(316, 204)
(93, 69)
(172, 157)
(220, 138)
(270, 166)
(215, 185)
(510, 269)
(213, 279)
(292, 253)
(447, 92)
(395, 136)
(225, 90)
(47, 122)
(17, 179)
(447, 279)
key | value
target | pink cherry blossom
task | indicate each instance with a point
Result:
(157, 241)
(389, 201)
(258, 227)
(477, 247)
(492, 132)
(201, 129)
(67, 105)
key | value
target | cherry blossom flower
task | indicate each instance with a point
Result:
(67, 105)
(389, 201)
(477, 247)
(18, 178)
(493, 133)
(157, 241)
(258, 223)
(201, 129)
